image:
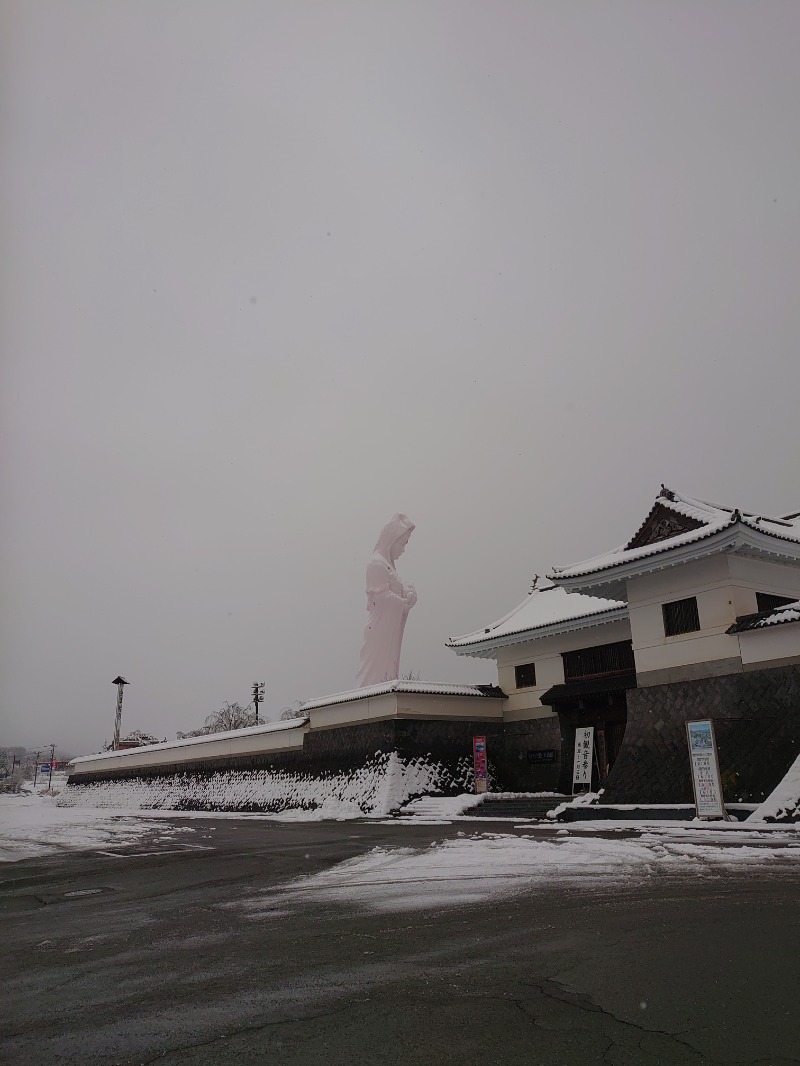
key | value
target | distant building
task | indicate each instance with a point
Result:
(137, 739)
(696, 616)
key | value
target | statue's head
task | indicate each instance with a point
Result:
(394, 537)
(399, 545)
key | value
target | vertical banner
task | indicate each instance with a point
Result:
(705, 770)
(582, 767)
(480, 764)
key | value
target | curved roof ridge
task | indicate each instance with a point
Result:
(695, 501)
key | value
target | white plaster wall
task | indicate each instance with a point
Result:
(750, 576)
(280, 740)
(404, 705)
(707, 579)
(420, 706)
(725, 586)
(764, 645)
(545, 653)
(350, 712)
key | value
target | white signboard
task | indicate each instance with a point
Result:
(705, 770)
(582, 767)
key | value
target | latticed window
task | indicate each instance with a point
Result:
(525, 676)
(599, 661)
(766, 601)
(681, 616)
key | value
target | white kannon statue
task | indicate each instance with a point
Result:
(388, 603)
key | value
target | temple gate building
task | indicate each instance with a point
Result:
(696, 616)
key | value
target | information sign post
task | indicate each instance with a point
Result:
(705, 769)
(582, 767)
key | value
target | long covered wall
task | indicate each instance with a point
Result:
(377, 748)
(371, 767)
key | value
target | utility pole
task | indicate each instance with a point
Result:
(36, 767)
(119, 682)
(258, 697)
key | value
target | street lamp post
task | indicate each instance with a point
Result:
(258, 697)
(119, 682)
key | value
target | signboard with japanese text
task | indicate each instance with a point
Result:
(546, 755)
(705, 769)
(480, 764)
(582, 767)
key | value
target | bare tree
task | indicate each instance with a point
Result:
(13, 782)
(293, 712)
(231, 716)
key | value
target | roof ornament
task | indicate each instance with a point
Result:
(534, 586)
(666, 493)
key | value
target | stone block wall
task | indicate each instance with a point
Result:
(756, 719)
(523, 743)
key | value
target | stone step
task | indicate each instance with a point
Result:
(535, 807)
(432, 807)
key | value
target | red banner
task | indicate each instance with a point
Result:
(480, 764)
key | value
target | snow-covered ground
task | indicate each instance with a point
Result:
(479, 868)
(475, 867)
(34, 825)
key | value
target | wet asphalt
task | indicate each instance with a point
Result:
(145, 954)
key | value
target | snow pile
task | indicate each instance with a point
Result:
(486, 867)
(381, 785)
(583, 799)
(35, 825)
(783, 803)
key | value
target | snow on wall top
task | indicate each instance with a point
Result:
(544, 606)
(712, 518)
(789, 612)
(424, 688)
(207, 738)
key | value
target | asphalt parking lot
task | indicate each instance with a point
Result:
(149, 953)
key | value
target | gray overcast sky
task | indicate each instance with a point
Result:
(276, 270)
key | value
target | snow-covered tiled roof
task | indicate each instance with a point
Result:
(205, 738)
(789, 612)
(707, 519)
(546, 606)
(425, 688)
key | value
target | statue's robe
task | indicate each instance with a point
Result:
(388, 609)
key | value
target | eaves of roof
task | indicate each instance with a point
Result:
(482, 648)
(589, 687)
(614, 569)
